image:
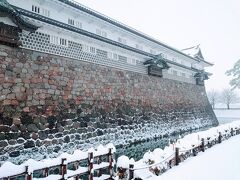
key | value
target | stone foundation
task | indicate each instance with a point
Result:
(50, 104)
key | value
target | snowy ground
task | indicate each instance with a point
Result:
(223, 106)
(220, 162)
(226, 116)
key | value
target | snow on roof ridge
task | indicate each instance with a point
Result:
(192, 47)
(193, 51)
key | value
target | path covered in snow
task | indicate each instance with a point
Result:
(221, 162)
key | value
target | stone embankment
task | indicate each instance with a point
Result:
(50, 104)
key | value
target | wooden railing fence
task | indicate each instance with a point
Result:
(70, 168)
(179, 155)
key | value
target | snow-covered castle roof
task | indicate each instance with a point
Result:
(194, 52)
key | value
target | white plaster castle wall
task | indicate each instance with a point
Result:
(62, 12)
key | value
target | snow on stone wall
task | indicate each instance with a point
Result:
(50, 104)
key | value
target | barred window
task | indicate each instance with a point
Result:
(36, 9)
(63, 42)
(78, 24)
(115, 56)
(102, 53)
(121, 40)
(54, 39)
(122, 59)
(104, 33)
(71, 22)
(45, 12)
(93, 50)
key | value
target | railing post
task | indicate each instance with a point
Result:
(177, 156)
(131, 171)
(75, 167)
(99, 160)
(63, 168)
(202, 145)
(231, 131)
(121, 173)
(110, 160)
(219, 137)
(90, 165)
(28, 176)
(237, 131)
(194, 151)
(45, 173)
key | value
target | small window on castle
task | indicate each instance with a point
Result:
(104, 33)
(45, 12)
(36, 9)
(138, 61)
(188, 75)
(115, 56)
(134, 61)
(86, 48)
(93, 50)
(122, 59)
(174, 72)
(131, 61)
(78, 24)
(121, 40)
(183, 74)
(98, 32)
(63, 42)
(54, 39)
(101, 53)
(110, 55)
(71, 22)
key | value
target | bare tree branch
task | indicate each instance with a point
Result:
(213, 97)
(228, 97)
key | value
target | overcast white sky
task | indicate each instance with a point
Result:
(215, 24)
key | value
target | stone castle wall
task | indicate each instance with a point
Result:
(50, 104)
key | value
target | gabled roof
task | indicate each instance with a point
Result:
(202, 74)
(7, 10)
(159, 61)
(194, 52)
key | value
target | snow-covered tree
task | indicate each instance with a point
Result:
(235, 74)
(212, 97)
(228, 97)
